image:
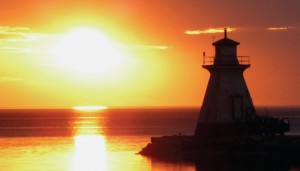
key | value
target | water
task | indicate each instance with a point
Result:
(70, 140)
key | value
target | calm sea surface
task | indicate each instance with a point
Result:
(106, 140)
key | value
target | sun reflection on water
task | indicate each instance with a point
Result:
(90, 153)
(89, 144)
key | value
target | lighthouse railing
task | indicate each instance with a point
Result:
(242, 60)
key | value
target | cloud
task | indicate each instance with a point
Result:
(23, 40)
(6, 29)
(279, 28)
(14, 33)
(20, 34)
(209, 31)
(8, 49)
(18, 81)
(231, 29)
(10, 80)
(158, 47)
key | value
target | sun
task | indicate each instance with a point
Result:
(90, 108)
(88, 51)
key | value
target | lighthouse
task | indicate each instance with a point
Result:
(227, 107)
(228, 125)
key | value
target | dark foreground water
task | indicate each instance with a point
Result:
(107, 140)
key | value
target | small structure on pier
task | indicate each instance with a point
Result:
(228, 125)
(227, 107)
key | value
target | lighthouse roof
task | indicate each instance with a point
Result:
(225, 41)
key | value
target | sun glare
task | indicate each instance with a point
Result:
(89, 51)
(90, 153)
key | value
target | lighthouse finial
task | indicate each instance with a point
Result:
(225, 33)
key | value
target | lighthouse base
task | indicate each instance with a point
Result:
(191, 148)
(260, 126)
(226, 129)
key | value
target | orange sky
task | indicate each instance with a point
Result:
(161, 43)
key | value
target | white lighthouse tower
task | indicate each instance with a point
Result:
(227, 107)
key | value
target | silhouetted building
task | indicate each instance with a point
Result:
(226, 119)
(227, 106)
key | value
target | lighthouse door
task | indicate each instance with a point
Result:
(237, 107)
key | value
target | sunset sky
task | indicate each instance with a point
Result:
(149, 53)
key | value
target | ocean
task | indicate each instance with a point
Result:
(108, 140)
